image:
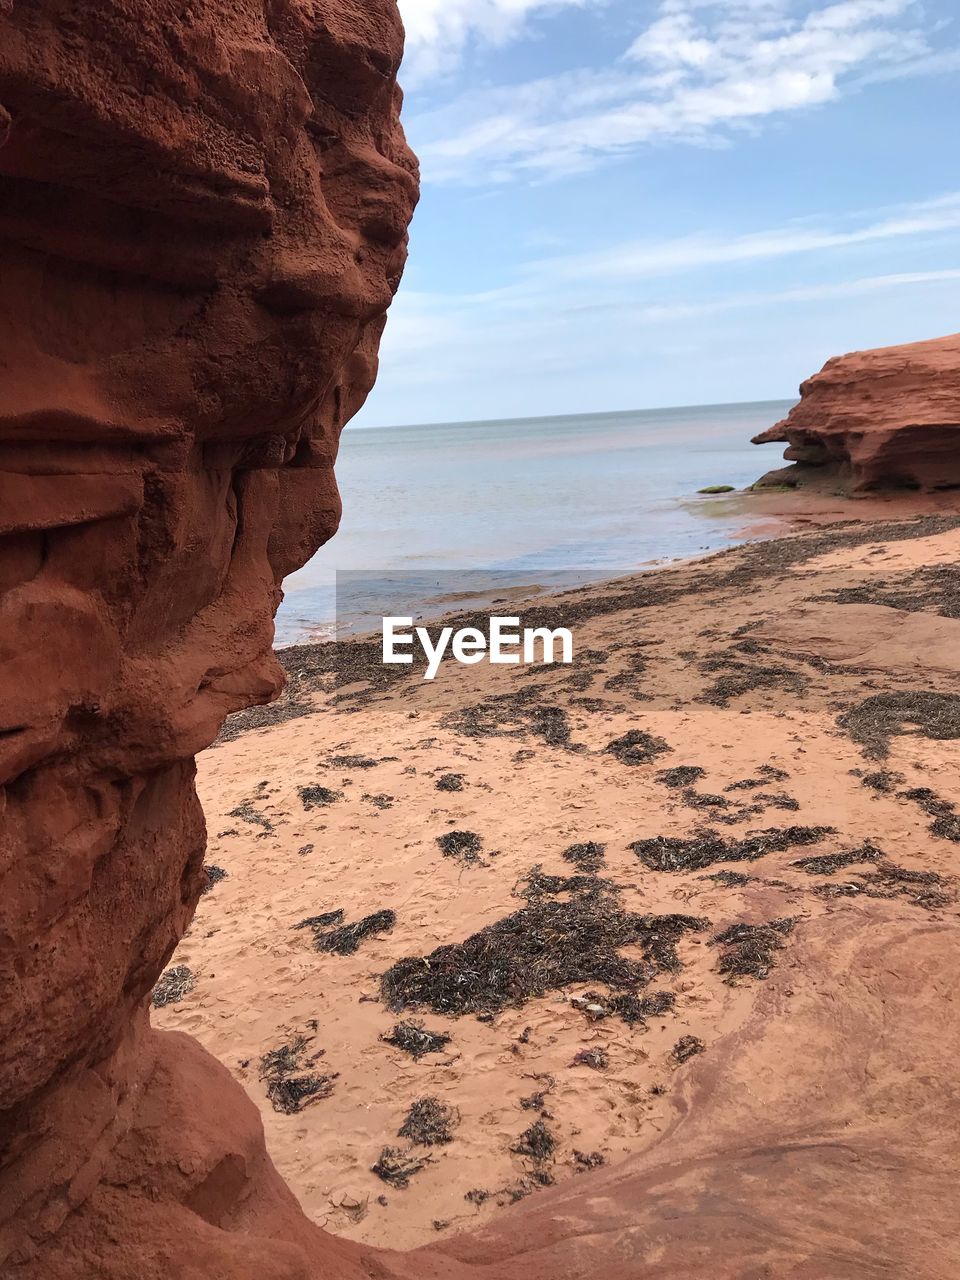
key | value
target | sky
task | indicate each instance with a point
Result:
(629, 203)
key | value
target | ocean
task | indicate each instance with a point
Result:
(455, 513)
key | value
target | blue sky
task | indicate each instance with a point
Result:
(629, 204)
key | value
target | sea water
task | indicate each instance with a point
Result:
(451, 514)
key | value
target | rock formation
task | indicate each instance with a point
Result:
(886, 418)
(203, 213)
(203, 210)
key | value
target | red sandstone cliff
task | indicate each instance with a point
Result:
(203, 213)
(885, 418)
(202, 221)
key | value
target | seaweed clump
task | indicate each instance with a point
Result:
(749, 948)
(172, 986)
(588, 856)
(450, 782)
(682, 775)
(687, 1047)
(415, 1039)
(536, 1143)
(873, 722)
(429, 1123)
(291, 1082)
(397, 1167)
(695, 853)
(512, 715)
(924, 889)
(344, 939)
(543, 947)
(636, 747)
(465, 846)
(214, 876)
(318, 797)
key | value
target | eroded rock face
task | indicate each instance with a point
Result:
(884, 418)
(203, 213)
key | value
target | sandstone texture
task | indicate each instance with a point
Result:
(886, 418)
(203, 213)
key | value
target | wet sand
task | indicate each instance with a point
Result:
(752, 666)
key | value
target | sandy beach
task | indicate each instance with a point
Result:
(745, 748)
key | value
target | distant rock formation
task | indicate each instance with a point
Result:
(203, 214)
(881, 419)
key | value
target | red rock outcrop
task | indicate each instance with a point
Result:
(203, 213)
(203, 209)
(887, 418)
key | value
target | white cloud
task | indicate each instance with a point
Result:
(699, 72)
(556, 307)
(440, 31)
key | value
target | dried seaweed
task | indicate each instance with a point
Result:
(749, 948)
(397, 1167)
(450, 782)
(929, 714)
(291, 1082)
(827, 864)
(687, 1047)
(344, 939)
(172, 986)
(588, 856)
(681, 775)
(675, 853)
(543, 947)
(537, 1142)
(595, 1058)
(214, 876)
(465, 846)
(318, 797)
(636, 747)
(429, 1123)
(415, 1039)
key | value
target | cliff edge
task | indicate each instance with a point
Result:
(880, 419)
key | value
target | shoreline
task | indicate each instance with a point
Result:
(713, 736)
(766, 514)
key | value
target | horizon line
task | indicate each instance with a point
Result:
(558, 417)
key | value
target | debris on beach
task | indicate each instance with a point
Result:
(214, 876)
(595, 1058)
(291, 1082)
(587, 856)
(740, 677)
(749, 948)
(681, 775)
(247, 813)
(545, 946)
(827, 863)
(429, 1123)
(318, 797)
(687, 1047)
(172, 986)
(380, 801)
(344, 939)
(636, 747)
(695, 853)
(352, 762)
(450, 782)
(923, 713)
(925, 889)
(415, 1039)
(512, 715)
(465, 846)
(397, 1167)
(584, 1162)
(536, 1143)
